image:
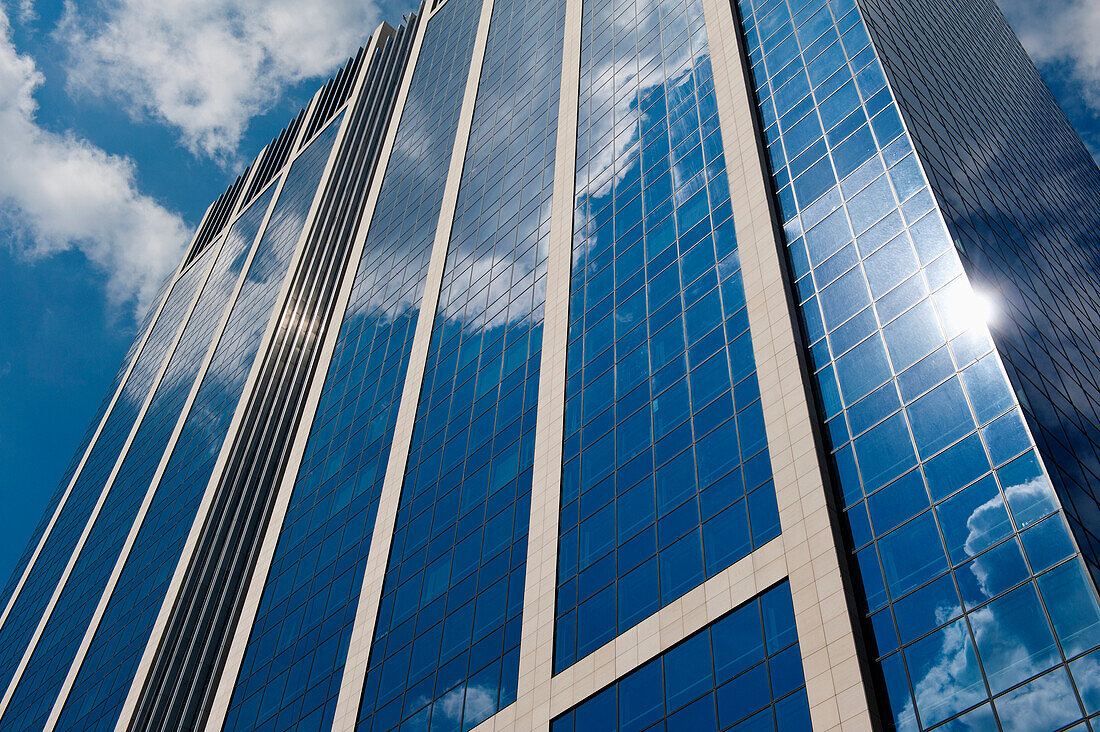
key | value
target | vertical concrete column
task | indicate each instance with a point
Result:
(355, 668)
(531, 710)
(835, 682)
(250, 386)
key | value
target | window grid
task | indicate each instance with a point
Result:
(39, 587)
(928, 443)
(55, 499)
(1025, 234)
(56, 649)
(742, 672)
(108, 670)
(667, 478)
(294, 662)
(446, 646)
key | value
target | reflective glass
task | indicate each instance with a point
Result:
(445, 653)
(916, 409)
(36, 592)
(59, 493)
(666, 479)
(1022, 214)
(303, 626)
(720, 678)
(107, 672)
(57, 646)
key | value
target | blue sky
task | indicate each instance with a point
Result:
(120, 120)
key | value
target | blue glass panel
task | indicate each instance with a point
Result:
(52, 560)
(923, 406)
(58, 644)
(1023, 213)
(303, 627)
(108, 669)
(720, 678)
(663, 418)
(445, 652)
(59, 493)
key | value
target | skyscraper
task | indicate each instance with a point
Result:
(604, 364)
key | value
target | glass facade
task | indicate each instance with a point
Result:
(446, 644)
(296, 652)
(743, 672)
(927, 440)
(1018, 191)
(85, 441)
(27, 610)
(667, 477)
(934, 218)
(53, 654)
(109, 666)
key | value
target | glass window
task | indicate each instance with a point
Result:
(987, 576)
(913, 335)
(885, 452)
(1047, 702)
(719, 677)
(955, 467)
(1014, 639)
(1047, 543)
(862, 369)
(961, 424)
(974, 520)
(945, 674)
(1071, 602)
(929, 607)
(898, 502)
(467, 488)
(1028, 490)
(906, 569)
(654, 417)
(940, 418)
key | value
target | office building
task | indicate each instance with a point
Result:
(603, 364)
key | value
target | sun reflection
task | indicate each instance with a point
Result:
(983, 308)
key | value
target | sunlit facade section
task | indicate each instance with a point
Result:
(585, 365)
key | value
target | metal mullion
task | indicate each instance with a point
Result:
(223, 542)
(291, 351)
(169, 450)
(108, 485)
(281, 498)
(261, 429)
(150, 655)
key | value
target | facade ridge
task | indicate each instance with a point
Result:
(597, 364)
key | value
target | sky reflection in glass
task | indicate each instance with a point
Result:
(929, 447)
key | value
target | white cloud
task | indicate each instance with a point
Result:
(206, 67)
(471, 704)
(1064, 33)
(59, 193)
(1013, 647)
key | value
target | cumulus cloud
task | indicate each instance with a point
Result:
(59, 193)
(27, 13)
(944, 667)
(472, 704)
(1063, 34)
(206, 67)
